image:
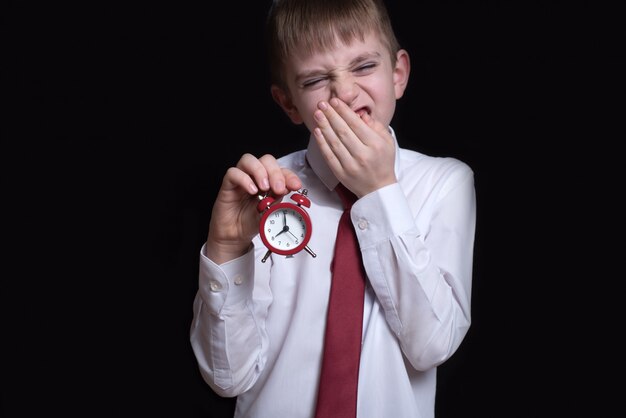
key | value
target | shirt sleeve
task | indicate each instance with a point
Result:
(226, 335)
(418, 255)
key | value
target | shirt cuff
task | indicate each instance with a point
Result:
(381, 215)
(228, 284)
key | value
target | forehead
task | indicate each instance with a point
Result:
(340, 54)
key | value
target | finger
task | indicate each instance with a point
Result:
(236, 178)
(292, 181)
(329, 154)
(380, 128)
(336, 129)
(349, 116)
(360, 122)
(329, 136)
(277, 179)
(256, 170)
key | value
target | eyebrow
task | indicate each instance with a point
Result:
(357, 60)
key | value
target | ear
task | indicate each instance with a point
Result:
(283, 99)
(401, 72)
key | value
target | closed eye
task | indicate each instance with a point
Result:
(312, 82)
(366, 68)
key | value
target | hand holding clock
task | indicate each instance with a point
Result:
(235, 218)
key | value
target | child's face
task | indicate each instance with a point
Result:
(360, 74)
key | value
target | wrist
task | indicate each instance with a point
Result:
(221, 253)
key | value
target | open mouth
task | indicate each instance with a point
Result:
(362, 111)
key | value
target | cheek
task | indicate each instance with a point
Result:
(307, 105)
(385, 101)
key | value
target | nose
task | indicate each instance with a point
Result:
(345, 88)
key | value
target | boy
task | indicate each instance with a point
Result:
(258, 329)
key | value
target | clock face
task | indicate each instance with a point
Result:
(285, 228)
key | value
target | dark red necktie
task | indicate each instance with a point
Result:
(337, 390)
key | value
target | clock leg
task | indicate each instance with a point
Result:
(308, 250)
(266, 256)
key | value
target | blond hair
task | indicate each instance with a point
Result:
(309, 26)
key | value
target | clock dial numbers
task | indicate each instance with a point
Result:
(293, 226)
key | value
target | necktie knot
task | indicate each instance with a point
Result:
(347, 197)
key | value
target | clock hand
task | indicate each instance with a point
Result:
(285, 229)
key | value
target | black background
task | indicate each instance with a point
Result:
(120, 120)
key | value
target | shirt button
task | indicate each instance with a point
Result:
(363, 224)
(215, 286)
(238, 280)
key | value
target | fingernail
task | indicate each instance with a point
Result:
(322, 105)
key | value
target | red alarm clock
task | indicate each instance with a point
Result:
(285, 227)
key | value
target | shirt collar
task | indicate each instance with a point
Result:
(317, 162)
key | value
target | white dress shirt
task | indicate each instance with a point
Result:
(258, 328)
